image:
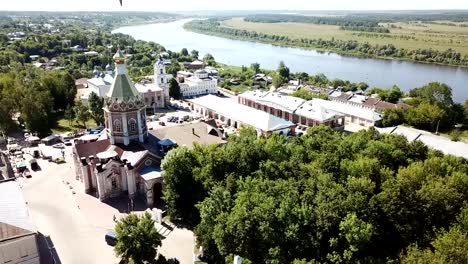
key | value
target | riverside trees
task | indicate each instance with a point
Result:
(322, 197)
(347, 47)
(432, 108)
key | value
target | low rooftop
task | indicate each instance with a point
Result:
(316, 109)
(276, 100)
(147, 86)
(189, 134)
(244, 114)
(447, 146)
(15, 219)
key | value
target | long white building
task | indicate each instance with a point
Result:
(198, 84)
(237, 115)
(335, 114)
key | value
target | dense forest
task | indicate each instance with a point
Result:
(325, 197)
(350, 47)
(371, 19)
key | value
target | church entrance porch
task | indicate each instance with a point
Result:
(151, 185)
(157, 195)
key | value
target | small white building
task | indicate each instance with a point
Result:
(199, 84)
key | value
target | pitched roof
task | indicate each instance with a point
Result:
(14, 215)
(91, 148)
(122, 88)
(242, 113)
(315, 109)
(8, 231)
(184, 134)
(459, 149)
(118, 55)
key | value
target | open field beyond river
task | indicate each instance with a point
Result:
(409, 36)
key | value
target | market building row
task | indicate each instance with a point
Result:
(232, 114)
(311, 113)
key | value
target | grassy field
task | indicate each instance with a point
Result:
(403, 35)
(63, 126)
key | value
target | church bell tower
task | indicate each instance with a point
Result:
(161, 78)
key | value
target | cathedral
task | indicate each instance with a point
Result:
(124, 163)
(155, 94)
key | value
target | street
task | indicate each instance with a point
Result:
(77, 222)
(55, 212)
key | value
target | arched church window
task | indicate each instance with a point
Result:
(162, 80)
(161, 71)
(117, 126)
(133, 125)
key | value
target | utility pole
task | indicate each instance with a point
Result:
(437, 128)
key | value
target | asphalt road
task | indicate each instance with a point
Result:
(55, 213)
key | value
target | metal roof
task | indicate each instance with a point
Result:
(123, 88)
(13, 210)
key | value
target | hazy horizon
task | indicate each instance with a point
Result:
(239, 5)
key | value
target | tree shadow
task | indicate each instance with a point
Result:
(162, 260)
(47, 251)
(183, 224)
(124, 204)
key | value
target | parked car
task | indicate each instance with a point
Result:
(34, 165)
(111, 238)
(36, 154)
(59, 160)
(59, 146)
(67, 142)
(162, 123)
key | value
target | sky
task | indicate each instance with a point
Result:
(193, 5)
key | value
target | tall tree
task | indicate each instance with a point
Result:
(137, 239)
(465, 111)
(278, 80)
(96, 105)
(177, 172)
(173, 68)
(184, 52)
(69, 114)
(209, 60)
(82, 113)
(435, 93)
(36, 110)
(256, 67)
(194, 54)
(283, 71)
(393, 117)
(174, 89)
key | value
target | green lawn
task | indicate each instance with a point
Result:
(403, 35)
(63, 126)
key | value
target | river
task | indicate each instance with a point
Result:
(375, 72)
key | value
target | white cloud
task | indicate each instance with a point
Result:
(188, 5)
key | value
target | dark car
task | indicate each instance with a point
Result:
(111, 238)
